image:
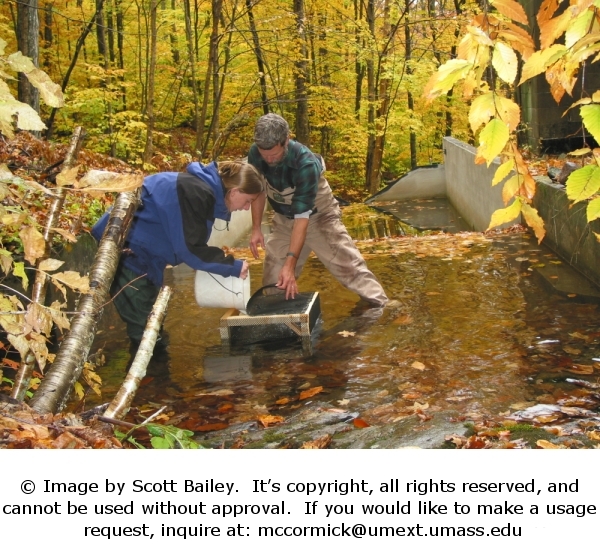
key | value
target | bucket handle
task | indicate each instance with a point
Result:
(223, 286)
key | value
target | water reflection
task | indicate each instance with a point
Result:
(466, 337)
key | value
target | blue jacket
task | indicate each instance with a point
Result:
(174, 222)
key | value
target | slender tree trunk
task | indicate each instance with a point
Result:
(371, 96)
(28, 42)
(192, 62)
(173, 36)
(48, 36)
(359, 65)
(65, 81)
(38, 291)
(409, 71)
(53, 392)
(301, 80)
(121, 62)
(149, 149)
(259, 58)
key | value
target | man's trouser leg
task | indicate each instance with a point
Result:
(332, 244)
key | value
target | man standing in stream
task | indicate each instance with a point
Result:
(307, 216)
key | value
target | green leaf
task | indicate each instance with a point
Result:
(447, 76)
(579, 28)
(590, 115)
(19, 271)
(505, 215)
(492, 140)
(155, 430)
(160, 443)
(583, 183)
(593, 210)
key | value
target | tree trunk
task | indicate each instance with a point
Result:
(38, 291)
(259, 58)
(173, 35)
(28, 41)
(192, 61)
(48, 37)
(53, 392)
(149, 149)
(359, 66)
(409, 71)
(301, 80)
(65, 81)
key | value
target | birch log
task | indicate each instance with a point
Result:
(121, 403)
(53, 392)
(38, 292)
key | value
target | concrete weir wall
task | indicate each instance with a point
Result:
(469, 189)
(469, 185)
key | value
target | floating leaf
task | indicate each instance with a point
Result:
(346, 333)
(267, 420)
(310, 393)
(418, 365)
(320, 443)
(360, 423)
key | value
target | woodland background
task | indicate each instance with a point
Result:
(157, 83)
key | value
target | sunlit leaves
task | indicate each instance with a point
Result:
(33, 243)
(504, 60)
(533, 220)
(503, 170)
(583, 183)
(505, 215)
(511, 9)
(593, 210)
(579, 28)
(446, 77)
(590, 115)
(98, 182)
(541, 60)
(492, 139)
(553, 29)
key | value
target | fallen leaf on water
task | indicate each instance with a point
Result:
(595, 436)
(270, 420)
(211, 427)
(360, 423)
(346, 333)
(420, 406)
(403, 320)
(418, 365)
(216, 392)
(282, 401)
(572, 350)
(320, 443)
(581, 369)
(309, 393)
(343, 402)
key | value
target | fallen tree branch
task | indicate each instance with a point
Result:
(53, 392)
(121, 403)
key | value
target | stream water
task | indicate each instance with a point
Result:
(478, 328)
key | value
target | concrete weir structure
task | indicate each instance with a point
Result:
(468, 188)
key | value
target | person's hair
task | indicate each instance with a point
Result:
(271, 130)
(240, 175)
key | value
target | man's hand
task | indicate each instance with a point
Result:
(287, 279)
(257, 238)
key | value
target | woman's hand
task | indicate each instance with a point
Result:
(245, 270)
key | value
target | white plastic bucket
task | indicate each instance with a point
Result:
(212, 290)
